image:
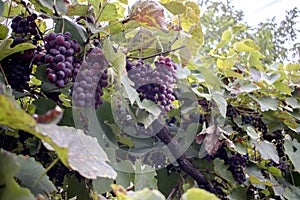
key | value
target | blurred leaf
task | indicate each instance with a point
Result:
(131, 92)
(6, 50)
(226, 36)
(267, 150)
(221, 102)
(3, 32)
(246, 45)
(77, 9)
(277, 188)
(149, 106)
(76, 188)
(270, 78)
(175, 7)
(29, 172)
(142, 40)
(252, 133)
(102, 185)
(198, 194)
(254, 180)
(267, 103)
(292, 149)
(10, 189)
(43, 105)
(238, 193)
(292, 193)
(282, 87)
(109, 12)
(47, 5)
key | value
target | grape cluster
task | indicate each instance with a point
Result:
(24, 29)
(256, 122)
(155, 84)
(219, 191)
(90, 80)
(60, 57)
(17, 67)
(17, 73)
(237, 164)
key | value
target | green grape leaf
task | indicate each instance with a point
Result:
(42, 105)
(277, 188)
(76, 188)
(292, 193)
(47, 5)
(238, 193)
(222, 169)
(77, 9)
(116, 59)
(283, 87)
(246, 45)
(102, 185)
(267, 150)
(254, 180)
(10, 189)
(3, 32)
(256, 176)
(292, 149)
(270, 78)
(6, 50)
(110, 12)
(267, 103)
(198, 194)
(175, 8)
(145, 194)
(29, 172)
(251, 132)
(144, 176)
(221, 102)
(84, 153)
(77, 31)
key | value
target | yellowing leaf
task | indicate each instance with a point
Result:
(226, 36)
(255, 180)
(5, 49)
(149, 13)
(198, 194)
(194, 6)
(241, 47)
(225, 64)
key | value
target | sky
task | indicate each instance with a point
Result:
(259, 10)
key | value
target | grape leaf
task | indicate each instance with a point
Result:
(78, 33)
(29, 172)
(144, 176)
(267, 150)
(76, 188)
(267, 103)
(3, 32)
(222, 169)
(9, 187)
(149, 13)
(75, 149)
(294, 155)
(175, 8)
(84, 153)
(198, 194)
(48, 4)
(5, 49)
(77, 9)
(238, 193)
(292, 193)
(130, 91)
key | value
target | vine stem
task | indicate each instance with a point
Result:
(182, 160)
(156, 54)
(5, 78)
(45, 172)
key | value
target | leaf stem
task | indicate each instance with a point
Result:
(45, 172)
(156, 54)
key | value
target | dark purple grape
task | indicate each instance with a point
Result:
(52, 77)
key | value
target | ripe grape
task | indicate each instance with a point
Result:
(155, 84)
(90, 80)
(60, 57)
(237, 164)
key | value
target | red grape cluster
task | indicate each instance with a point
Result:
(90, 80)
(155, 84)
(60, 57)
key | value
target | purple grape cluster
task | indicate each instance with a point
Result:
(155, 84)
(24, 29)
(237, 164)
(90, 80)
(60, 57)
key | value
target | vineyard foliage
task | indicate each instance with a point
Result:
(147, 100)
